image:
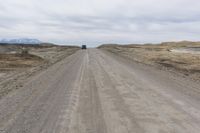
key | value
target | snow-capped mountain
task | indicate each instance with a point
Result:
(21, 41)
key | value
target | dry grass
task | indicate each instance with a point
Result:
(11, 61)
(161, 56)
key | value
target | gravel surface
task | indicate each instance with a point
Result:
(94, 91)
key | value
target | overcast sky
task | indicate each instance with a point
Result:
(101, 21)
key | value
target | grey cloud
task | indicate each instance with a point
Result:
(101, 21)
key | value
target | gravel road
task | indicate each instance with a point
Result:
(94, 91)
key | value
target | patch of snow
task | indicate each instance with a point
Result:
(21, 41)
(187, 50)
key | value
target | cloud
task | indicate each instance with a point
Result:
(101, 21)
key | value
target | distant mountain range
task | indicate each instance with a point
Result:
(21, 41)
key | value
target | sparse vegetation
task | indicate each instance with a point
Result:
(24, 56)
(160, 55)
(24, 51)
(11, 61)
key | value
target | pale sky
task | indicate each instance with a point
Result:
(96, 22)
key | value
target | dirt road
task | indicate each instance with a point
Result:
(96, 92)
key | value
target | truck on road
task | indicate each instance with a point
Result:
(84, 47)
